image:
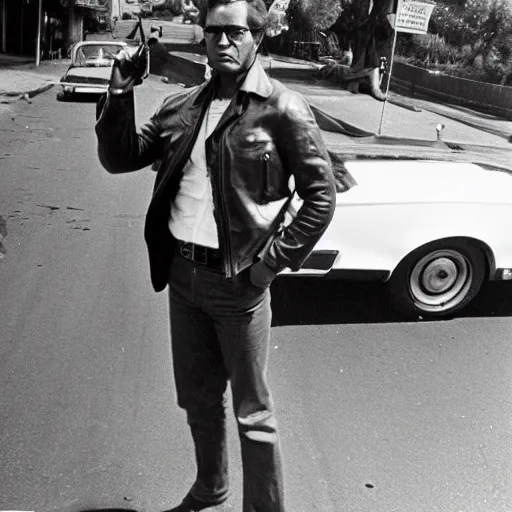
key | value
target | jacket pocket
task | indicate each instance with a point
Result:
(272, 180)
(265, 177)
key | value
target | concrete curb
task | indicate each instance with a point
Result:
(182, 69)
(191, 68)
(195, 65)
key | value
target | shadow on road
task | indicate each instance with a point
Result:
(82, 98)
(109, 510)
(310, 301)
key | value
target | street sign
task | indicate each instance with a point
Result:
(411, 16)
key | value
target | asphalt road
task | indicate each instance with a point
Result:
(376, 415)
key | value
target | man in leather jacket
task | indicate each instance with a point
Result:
(228, 155)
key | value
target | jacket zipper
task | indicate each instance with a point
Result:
(265, 158)
(225, 229)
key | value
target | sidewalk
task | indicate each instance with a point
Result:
(19, 78)
(365, 112)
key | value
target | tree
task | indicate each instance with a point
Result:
(314, 15)
(370, 32)
(480, 31)
(363, 29)
(475, 22)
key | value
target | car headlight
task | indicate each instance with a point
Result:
(68, 88)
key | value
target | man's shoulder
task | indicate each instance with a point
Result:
(286, 99)
(177, 100)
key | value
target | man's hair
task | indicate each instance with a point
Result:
(257, 14)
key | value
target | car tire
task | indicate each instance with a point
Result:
(62, 96)
(438, 279)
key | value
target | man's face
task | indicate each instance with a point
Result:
(230, 45)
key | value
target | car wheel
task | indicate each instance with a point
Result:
(438, 279)
(62, 96)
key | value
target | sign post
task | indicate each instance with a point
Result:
(395, 33)
(39, 27)
(412, 17)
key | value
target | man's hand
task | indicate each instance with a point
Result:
(129, 69)
(261, 274)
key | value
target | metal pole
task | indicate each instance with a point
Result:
(389, 81)
(4, 26)
(38, 41)
(21, 25)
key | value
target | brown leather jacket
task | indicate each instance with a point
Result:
(267, 135)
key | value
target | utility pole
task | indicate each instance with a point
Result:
(21, 24)
(39, 24)
(4, 26)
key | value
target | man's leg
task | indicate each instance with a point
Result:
(201, 381)
(242, 321)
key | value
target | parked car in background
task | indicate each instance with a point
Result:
(90, 68)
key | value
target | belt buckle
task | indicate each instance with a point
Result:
(187, 250)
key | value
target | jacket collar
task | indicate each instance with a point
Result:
(256, 82)
(203, 91)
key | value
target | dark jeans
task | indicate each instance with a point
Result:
(220, 330)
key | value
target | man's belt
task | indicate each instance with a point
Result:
(200, 254)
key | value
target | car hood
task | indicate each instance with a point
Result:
(99, 73)
(413, 181)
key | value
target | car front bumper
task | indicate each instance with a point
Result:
(71, 88)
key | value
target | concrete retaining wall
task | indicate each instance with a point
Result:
(187, 67)
(190, 67)
(413, 80)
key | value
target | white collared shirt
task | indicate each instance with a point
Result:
(191, 218)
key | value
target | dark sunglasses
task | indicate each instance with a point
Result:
(234, 33)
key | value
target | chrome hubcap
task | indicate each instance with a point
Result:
(440, 280)
(439, 276)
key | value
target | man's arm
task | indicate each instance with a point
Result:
(303, 152)
(120, 148)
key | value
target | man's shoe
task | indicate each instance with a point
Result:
(191, 504)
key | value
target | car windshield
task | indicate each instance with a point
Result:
(95, 55)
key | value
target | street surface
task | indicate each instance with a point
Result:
(376, 415)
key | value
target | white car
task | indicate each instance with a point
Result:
(90, 68)
(434, 229)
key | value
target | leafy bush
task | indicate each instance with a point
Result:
(471, 41)
(428, 49)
